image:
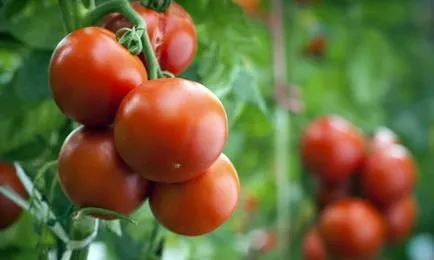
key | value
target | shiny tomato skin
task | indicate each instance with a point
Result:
(313, 247)
(172, 33)
(93, 175)
(388, 175)
(332, 148)
(401, 218)
(352, 228)
(9, 211)
(170, 130)
(200, 205)
(382, 137)
(90, 73)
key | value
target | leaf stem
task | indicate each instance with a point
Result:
(90, 211)
(124, 7)
(66, 10)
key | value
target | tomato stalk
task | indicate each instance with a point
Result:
(157, 5)
(124, 7)
(281, 128)
(68, 16)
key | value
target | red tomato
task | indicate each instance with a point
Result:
(401, 218)
(332, 192)
(172, 34)
(9, 211)
(90, 73)
(313, 247)
(352, 228)
(263, 241)
(382, 137)
(198, 206)
(389, 174)
(92, 174)
(332, 148)
(170, 130)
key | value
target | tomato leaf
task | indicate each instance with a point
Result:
(31, 81)
(245, 87)
(27, 151)
(114, 226)
(46, 28)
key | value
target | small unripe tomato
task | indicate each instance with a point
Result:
(313, 247)
(332, 148)
(170, 130)
(9, 211)
(388, 175)
(172, 33)
(200, 205)
(352, 228)
(401, 218)
(92, 174)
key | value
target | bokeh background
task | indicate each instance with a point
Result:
(369, 61)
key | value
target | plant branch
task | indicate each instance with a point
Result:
(124, 7)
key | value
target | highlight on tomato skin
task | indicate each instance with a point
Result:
(172, 33)
(170, 130)
(198, 206)
(389, 175)
(92, 174)
(332, 148)
(401, 218)
(382, 137)
(9, 211)
(85, 78)
(352, 228)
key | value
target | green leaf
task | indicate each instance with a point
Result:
(27, 151)
(114, 226)
(31, 82)
(38, 24)
(245, 88)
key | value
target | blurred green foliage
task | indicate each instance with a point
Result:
(376, 71)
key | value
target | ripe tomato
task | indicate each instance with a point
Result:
(92, 175)
(170, 130)
(382, 137)
(331, 192)
(263, 241)
(332, 148)
(90, 73)
(9, 211)
(172, 33)
(198, 206)
(352, 228)
(389, 174)
(401, 218)
(313, 247)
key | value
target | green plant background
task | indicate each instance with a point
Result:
(376, 71)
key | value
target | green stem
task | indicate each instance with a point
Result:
(153, 238)
(91, 211)
(123, 7)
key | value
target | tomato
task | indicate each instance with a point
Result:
(331, 192)
(382, 137)
(9, 211)
(170, 130)
(352, 228)
(90, 73)
(198, 206)
(332, 148)
(316, 46)
(401, 218)
(172, 33)
(389, 174)
(92, 174)
(263, 241)
(313, 247)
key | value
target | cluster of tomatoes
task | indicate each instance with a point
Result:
(142, 138)
(364, 189)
